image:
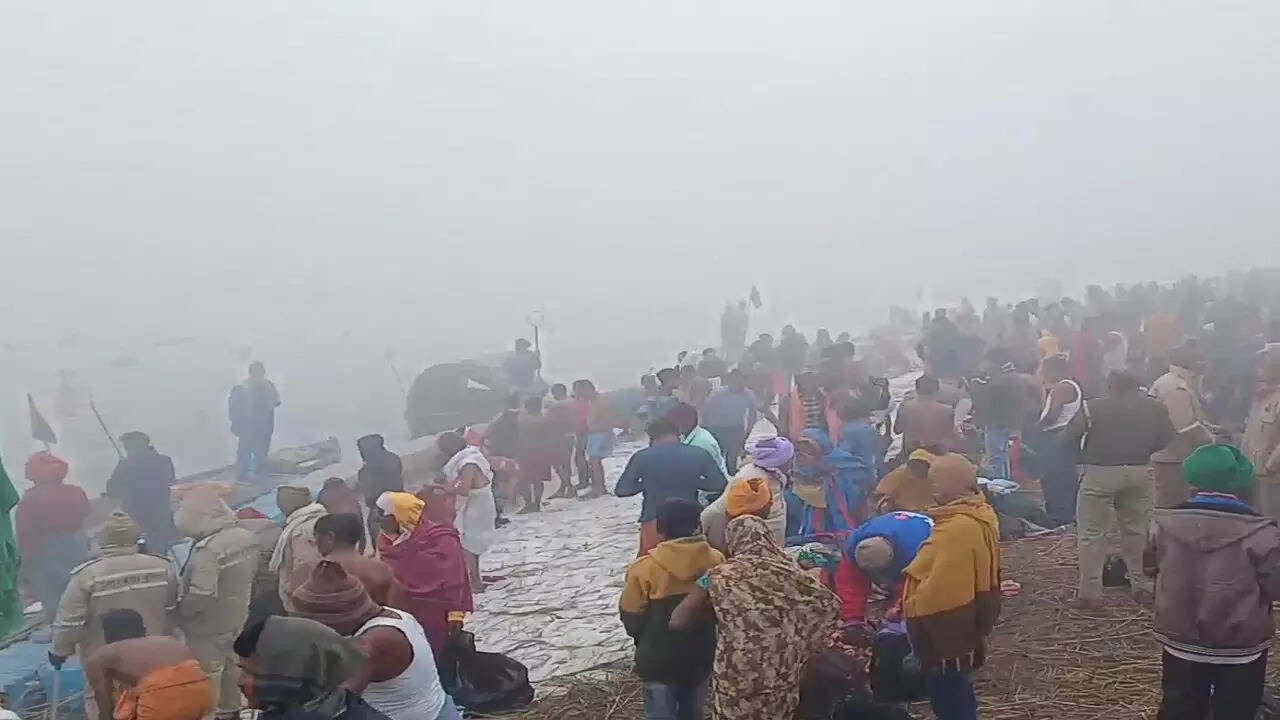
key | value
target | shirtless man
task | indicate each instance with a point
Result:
(338, 539)
(157, 676)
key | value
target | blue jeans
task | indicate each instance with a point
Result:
(668, 701)
(995, 442)
(951, 695)
(251, 455)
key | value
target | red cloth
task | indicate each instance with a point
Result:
(853, 588)
(440, 505)
(50, 509)
(249, 513)
(44, 467)
(649, 537)
(432, 577)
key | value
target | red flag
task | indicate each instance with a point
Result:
(40, 428)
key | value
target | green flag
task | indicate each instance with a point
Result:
(10, 602)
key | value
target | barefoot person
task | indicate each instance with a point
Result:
(539, 445)
(136, 677)
(469, 476)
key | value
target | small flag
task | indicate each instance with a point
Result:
(40, 428)
(755, 297)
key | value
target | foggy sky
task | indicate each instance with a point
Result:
(423, 174)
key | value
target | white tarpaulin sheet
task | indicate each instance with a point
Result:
(556, 610)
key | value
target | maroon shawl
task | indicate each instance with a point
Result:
(432, 578)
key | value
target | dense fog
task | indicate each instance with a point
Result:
(351, 190)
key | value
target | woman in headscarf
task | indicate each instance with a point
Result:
(770, 459)
(48, 525)
(771, 617)
(295, 669)
(831, 482)
(432, 582)
(401, 512)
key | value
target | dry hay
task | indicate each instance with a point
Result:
(1046, 660)
(609, 693)
(1049, 660)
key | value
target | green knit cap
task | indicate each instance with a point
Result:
(1218, 468)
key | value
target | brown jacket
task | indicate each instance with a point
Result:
(120, 578)
(215, 583)
(1179, 390)
(1262, 432)
(1120, 430)
(265, 534)
(1218, 571)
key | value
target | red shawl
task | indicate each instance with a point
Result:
(432, 578)
(49, 510)
(440, 505)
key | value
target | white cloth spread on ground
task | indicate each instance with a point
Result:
(556, 607)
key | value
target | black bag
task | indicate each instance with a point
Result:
(483, 682)
(1115, 573)
(896, 675)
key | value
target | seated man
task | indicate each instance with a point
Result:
(161, 679)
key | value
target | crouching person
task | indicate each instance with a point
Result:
(1218, 571)
(951, 590)
(674, 664)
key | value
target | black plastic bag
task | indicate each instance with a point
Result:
(896, 675)
(483, 682)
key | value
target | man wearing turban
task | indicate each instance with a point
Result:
(48, 525)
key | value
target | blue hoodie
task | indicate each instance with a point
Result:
(905, 531)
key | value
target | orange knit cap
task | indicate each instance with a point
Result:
(747, 496)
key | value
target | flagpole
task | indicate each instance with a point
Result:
(102, 423)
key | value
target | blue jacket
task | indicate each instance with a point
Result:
(669, 470)
(859, 438)
(905, 531)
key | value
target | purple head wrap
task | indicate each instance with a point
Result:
(773, 453)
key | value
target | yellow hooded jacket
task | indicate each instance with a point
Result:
(951, 595)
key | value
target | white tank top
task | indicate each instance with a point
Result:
(416, 693)
(1069, 410)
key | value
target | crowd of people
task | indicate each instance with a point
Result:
(316, 615)
(844, 532)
